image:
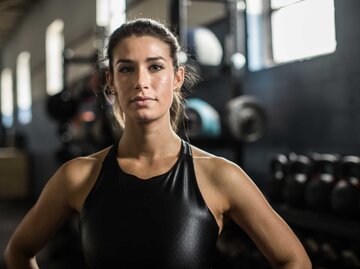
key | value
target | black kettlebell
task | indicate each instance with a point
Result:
(296, 180)
(345, 194)
(324, 174)
(279, 166)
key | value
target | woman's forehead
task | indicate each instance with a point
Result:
(135, 46)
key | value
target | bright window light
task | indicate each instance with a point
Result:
(288, 30)
(110, 13)
(54, 57)
(281, 3)
(256, 35)
(302, 30)
(254, 7)
(7, 98)
(23, 86)
(102, 12)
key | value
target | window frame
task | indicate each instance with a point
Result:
(266, 51)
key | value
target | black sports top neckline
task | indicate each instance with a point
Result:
(156, 177)
(161, 223)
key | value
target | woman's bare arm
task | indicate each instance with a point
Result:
(250, 210)
(45, 218)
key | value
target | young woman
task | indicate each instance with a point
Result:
(152, 200)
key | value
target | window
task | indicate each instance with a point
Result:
(288, 30)
(110, 13)
(7, 102)
(23, 86)
(54, 57)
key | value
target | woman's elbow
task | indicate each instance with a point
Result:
(14, 257)
(9, 254)
(302, 262)
(306, 263)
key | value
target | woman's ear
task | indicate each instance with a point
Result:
(109, 79)
(109, 92)
(179, 77)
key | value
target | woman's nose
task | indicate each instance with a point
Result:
(142, 79)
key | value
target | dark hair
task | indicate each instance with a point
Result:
(150, 27)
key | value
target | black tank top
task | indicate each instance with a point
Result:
(161, 222)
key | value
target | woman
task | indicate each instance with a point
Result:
(152, 200)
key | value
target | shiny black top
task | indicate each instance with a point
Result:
(161, 222)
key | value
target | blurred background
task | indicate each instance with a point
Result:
(280, 96)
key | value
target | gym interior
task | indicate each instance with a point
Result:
(279, 96)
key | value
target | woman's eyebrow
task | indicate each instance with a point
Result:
(124, 61)
(149, 59)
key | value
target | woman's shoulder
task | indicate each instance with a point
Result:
(220, 176)
(214, 164)
(78, 175)
(83, 164)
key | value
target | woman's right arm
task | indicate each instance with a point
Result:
(44, 219)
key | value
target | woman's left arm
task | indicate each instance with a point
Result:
(248, 207)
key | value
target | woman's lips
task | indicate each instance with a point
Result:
(142, 100)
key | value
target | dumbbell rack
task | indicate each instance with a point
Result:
(317, 196)
(319, 222)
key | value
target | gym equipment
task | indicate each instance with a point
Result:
(203, 119)
(296, 180)
(311, 244)
(345, 194)
(204, 46)
(279, 166)
(322, 179)
(330, 253)
(245, 118)
(350, 256)
(62, 106)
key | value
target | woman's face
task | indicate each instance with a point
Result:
(144, 78)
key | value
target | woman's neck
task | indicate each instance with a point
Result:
(148, 141)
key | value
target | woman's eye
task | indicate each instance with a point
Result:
(125, 69)
(156, 67)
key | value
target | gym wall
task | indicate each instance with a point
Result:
(312, 105)
(79, 17)
(41, 133)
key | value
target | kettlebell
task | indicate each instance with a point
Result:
(296, 180)
(279, 166)
(345, 194)
(324, 174)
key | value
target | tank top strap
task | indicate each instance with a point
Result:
(186, 148)
(107, 166)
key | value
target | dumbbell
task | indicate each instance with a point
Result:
(345, 194)
(296, 180)
(311, 244)
(350, 256)
(330, 253)
(279, 166)
(323, 177)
